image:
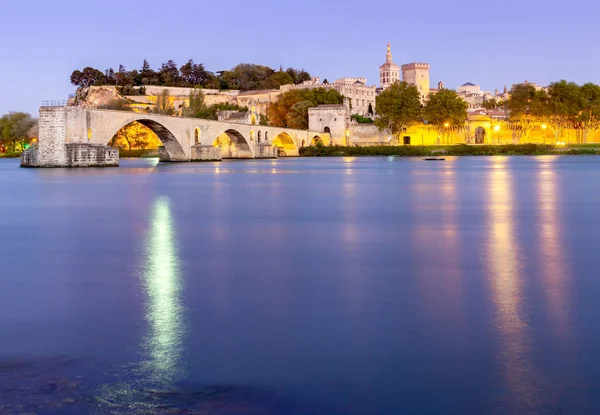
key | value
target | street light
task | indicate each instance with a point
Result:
(497, 129)
(544, 126)
(446, 125)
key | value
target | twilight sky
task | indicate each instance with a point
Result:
(491, 43)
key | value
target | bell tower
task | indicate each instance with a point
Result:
(389, 72)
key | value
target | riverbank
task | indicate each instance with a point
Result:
(451, 150)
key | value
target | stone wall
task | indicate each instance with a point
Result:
(75, 155)
(367, 134)
(266, 151)
(90, 155)
(206, 153)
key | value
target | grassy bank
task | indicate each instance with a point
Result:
(10, 155)
(455, 150)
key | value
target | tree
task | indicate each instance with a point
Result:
(291, 109)
(525, 108)
(164, 105)
(17, 128)
(196, 107)
(193, 74)
(561, 106)
(169, 74)
(490, 104)
(147, 75)
(589, 117)
(88, 77)
(398, 107)
(370, 110)
(445, 110)
(277, 79)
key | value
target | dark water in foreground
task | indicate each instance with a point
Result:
(302, 286)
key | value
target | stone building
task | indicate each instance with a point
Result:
(332, 119)
(357, 94)
(389, 72)
(359, 97)
(417, 74)
(473, 95)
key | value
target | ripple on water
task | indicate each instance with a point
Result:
(48, 387)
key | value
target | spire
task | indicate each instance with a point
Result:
(388, 55)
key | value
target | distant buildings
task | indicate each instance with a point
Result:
(473, 95)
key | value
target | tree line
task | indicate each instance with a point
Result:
(560, 106)
(399, 107)
(244, 77)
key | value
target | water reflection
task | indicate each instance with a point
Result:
(552, 258)
(506, 284)
(161, 363)
(164, 310)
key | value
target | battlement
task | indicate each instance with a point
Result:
(415, 65)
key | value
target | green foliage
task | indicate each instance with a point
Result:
(277, 79)
(163, 104)
(445, 107)
(348, 151)
(362, 120)
(17, 129)
(244, 76)
(563, 105)
(291, 109)
(196, 107)
(398, 107)
(453, 150)
(490, 104)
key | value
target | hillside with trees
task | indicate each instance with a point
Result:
(244, 77)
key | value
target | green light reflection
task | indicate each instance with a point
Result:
(164, 310)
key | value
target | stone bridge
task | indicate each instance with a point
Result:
(75, 136)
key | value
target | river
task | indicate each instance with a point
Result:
(302, 286)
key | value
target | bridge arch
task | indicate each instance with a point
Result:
(233, 138)
(173, 148)
(285, 144)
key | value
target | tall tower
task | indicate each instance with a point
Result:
(417, 74)
(389, 72)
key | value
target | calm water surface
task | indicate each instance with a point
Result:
(302, 286)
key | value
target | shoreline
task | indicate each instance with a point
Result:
(451, 150)
(456, 150)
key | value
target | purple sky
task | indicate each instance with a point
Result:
(491, 43)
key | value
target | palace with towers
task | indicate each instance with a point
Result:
(412, 73)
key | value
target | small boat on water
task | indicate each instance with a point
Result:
(434, 159)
